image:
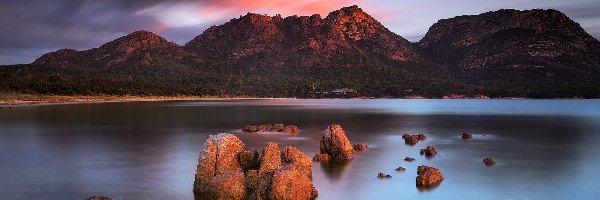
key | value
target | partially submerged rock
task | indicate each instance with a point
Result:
(250, 128)
(321, 157)
(466, 135)
(428, 176)
(400, 169)
(360, 147)
(291, 129)
(98, 197)
(413, 139)
(382, 175)
(278, 127)
(422, 136)
(336, 143)
(409, 159)
(265, 128)
(429, 151)
(489, 161)
(227, 170)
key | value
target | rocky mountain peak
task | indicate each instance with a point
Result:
(141, 39)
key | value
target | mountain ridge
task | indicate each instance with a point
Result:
(534, 53)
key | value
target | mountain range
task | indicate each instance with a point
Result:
(505, 53)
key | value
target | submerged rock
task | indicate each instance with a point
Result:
(321, 157)
(400, 169)
(428, 176)
(360, 147)
(429, 151)
(382, 175)
(336, 143)
(219, 173)
(291, 129)
(98, 197)
(250, 128)
(489, 161)
(278, 127)
(265, 128)
(466, 135)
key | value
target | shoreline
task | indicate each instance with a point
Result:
(19, 100)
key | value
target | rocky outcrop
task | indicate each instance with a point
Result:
(322, 157)
(335, 143)
(250, 128)
(428, 176)
(265, 128)
(278, 127)
(227, 170)
(219, 174)
(360, 147)
(428, 151)
(489, 161)
(466, 135)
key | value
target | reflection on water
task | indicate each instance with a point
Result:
(544, 149)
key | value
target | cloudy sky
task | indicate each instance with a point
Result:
(31, 28)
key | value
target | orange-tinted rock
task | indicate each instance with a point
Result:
(409, 159)
(405, 136)
(429, 151)
(467, 135)
(278, 127)
(250, 128)
(412, 140)
(400, 169)
(271, 158)
(428, 176)
(290, 183)
(321, 157)
(291, 129)
(219, 174)
(265, 128)
(489, 161)
(297, 160)
(249, 159)
(251, 181)
(336, 143)
(360, 147)
(422, 136)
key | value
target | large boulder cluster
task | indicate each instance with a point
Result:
(227, 170)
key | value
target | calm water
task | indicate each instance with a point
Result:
(545, 149)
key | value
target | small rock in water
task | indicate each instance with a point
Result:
(265, 128)
(322, 157)
(382, 175)
(250, 128)
(98, 197)
(489, 161)
(291, 129)
(467, 135)
(405, 136)
(278, 127)
(360, 147)
(429, 151)
(428, 176)
(409, 159)
(400, 169)
(422, 136)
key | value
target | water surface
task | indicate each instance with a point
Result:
(545, 149)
